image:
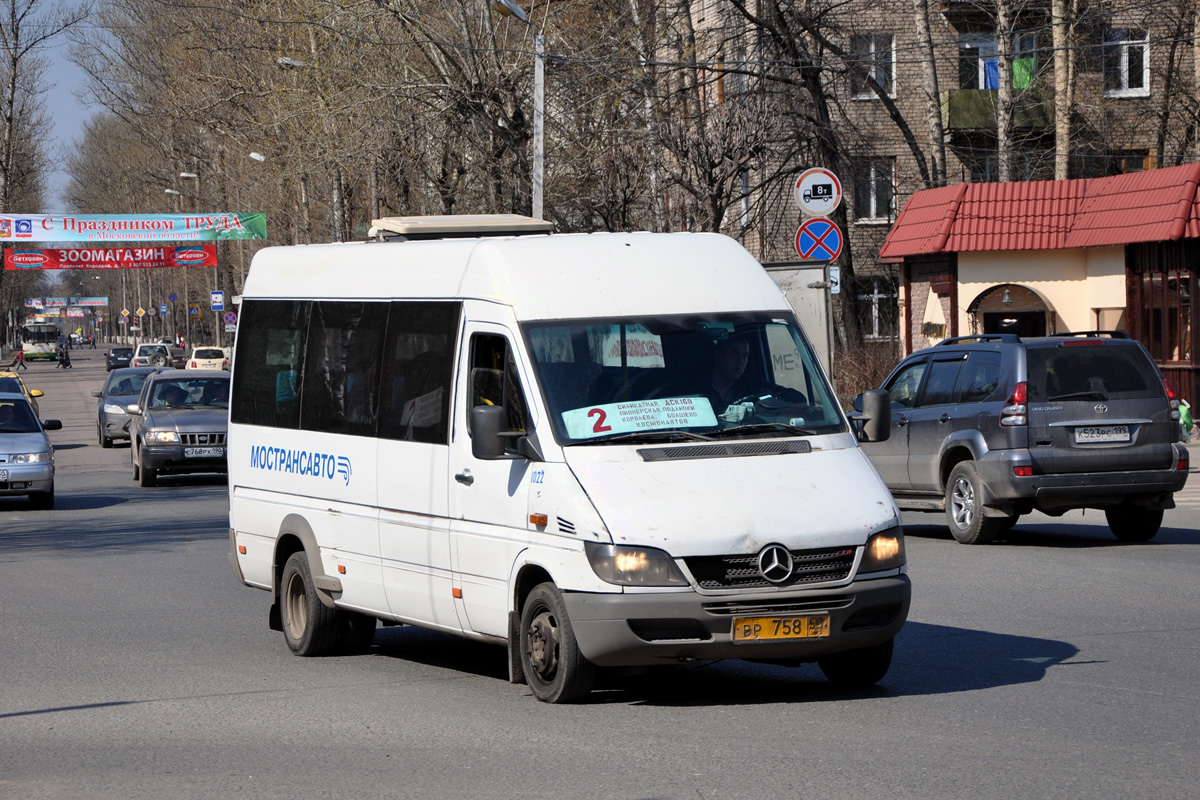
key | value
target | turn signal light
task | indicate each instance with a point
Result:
(341, 569)
(456, 593)
(538, 519)
(242, 549)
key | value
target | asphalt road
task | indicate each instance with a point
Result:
(1059, 663)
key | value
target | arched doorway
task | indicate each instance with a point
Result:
(1011, 308)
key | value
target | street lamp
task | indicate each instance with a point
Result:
(509, 8)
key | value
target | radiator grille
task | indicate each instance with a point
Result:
(741, 571)
(201, 439)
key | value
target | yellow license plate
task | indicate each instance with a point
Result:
(761, 629)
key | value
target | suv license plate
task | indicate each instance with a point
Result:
(1107, 433)
(759, 629)
(203, 452)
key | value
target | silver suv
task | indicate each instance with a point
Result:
(991, 427)
(158, 354)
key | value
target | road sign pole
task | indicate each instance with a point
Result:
(829, 323)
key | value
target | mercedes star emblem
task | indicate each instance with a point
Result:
(775, 563)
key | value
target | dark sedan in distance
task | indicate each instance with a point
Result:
(118, 357)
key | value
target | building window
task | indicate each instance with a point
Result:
(872, 54)
(979, 65)
(874, 192)
(1134, 159)
(1126, 62)
(877, 308)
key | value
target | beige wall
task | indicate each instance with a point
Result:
(1072, 282)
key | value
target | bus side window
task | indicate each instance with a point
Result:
(418, 368)
(267, 383)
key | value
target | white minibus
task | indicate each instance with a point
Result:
(599, 450)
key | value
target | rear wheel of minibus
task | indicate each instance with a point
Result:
(309, 627)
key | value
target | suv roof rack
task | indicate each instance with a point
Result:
(983, 337)
(455, 226)
(1096, 334)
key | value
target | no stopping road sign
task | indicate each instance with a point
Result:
(818, 240)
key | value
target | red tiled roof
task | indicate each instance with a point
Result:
(927, 219)
(1158, 205)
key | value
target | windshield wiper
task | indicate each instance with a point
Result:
(649, 436)
(1094, 395)
(763, 427)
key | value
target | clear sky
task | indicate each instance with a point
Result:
(67, 115)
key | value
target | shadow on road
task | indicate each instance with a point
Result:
(1048, 533)
(929, 660)
(63, 535)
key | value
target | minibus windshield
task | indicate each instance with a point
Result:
(676, 378)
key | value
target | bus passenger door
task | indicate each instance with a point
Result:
(489, 500)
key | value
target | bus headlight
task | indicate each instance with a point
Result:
(884, 550)
(633, 566)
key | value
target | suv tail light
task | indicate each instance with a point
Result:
(1170, 391)
(1014, 413)
(1172, 400)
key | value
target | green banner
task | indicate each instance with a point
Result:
(17, 229)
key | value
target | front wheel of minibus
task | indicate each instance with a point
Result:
(309, 628)
(554, 667)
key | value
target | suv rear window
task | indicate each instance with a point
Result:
(1103, 372)
(209, 354)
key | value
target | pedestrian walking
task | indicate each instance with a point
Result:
(21, 360)
(93, 342)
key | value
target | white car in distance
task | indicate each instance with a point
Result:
(208, 358)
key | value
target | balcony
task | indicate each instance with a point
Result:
(975, 109)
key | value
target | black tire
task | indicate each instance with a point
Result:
(357, 632)
(964, 511)
(309, 628)
(133, 460)
(1131, 523)
(554, 667)
(105, 442)
(43, 500)
(858, 669)
(148, 476)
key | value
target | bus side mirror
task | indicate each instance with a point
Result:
(490, 441)
(875, 421)
(487, 425)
